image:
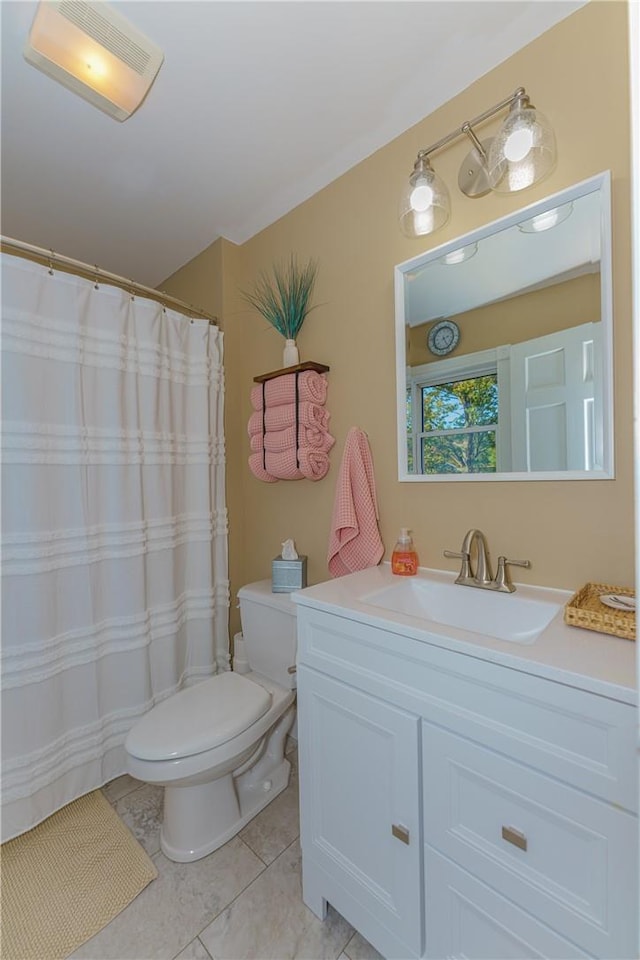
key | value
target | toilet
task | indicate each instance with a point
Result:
(217, 747)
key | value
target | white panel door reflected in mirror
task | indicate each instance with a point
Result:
(504, 347)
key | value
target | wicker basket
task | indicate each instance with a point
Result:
(586, 610)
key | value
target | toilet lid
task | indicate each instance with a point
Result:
(199, 718)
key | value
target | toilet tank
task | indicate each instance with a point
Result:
(269, 631)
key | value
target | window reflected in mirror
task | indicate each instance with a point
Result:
(456, 429)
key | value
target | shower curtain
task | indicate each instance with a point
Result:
(115, 587)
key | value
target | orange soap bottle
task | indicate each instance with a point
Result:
(404, 559)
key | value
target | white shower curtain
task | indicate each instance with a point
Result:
(115, 587)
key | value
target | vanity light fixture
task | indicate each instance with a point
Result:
(522, 153)
(427, 198)
(547, 220)
(93, 50)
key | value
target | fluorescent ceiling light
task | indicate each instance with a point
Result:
(93, 50)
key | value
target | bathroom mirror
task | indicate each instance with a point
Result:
(504, 347)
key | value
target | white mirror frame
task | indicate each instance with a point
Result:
(600, 183)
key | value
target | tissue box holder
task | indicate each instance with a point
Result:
(288, 575)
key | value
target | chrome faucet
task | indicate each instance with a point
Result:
(482, 576)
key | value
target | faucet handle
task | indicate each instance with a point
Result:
(503, 581)
(465, 569)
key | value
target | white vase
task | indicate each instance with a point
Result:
(290, 355)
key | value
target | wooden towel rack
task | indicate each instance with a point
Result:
(299, 368)
(284, 372)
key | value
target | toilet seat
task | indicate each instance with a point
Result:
(199, 718)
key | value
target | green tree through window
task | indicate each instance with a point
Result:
(459, 422)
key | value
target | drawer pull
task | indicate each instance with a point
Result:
(400, 832)
(515, 837)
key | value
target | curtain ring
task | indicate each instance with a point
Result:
(131, 288)
(96, 285)
(51, 256)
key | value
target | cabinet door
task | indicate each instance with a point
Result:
(560, 854)
(466, 918)
(359, 798)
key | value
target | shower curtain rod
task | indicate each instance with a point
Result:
(97, 274)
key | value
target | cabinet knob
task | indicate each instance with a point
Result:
(515, 837)
(400, 832)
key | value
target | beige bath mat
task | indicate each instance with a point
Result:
(67, 878)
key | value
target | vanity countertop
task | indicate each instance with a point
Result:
(597, 662)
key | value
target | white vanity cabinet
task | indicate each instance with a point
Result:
(361, 805)
(457, 807)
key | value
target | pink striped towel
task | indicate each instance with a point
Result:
(312, 465)
(354, 541)
(284, 415)
(281, 440)
(312, 386)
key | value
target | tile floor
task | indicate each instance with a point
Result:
(242, 901)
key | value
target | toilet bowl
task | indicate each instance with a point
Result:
(217, 747)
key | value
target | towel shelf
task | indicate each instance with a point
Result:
(303, 399)
(299, 368)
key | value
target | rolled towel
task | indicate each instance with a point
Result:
(313, 437)
(312, 387)
(313, 465)
(284, 415)
(257, 469)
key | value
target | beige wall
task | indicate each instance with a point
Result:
(572, 532)
(517, 319)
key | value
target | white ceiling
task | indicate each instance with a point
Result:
(257, 106)
(507, 263)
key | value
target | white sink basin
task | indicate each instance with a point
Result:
(503, 616)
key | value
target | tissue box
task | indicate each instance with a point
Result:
(288, 575)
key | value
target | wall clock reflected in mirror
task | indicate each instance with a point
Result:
(443, 337)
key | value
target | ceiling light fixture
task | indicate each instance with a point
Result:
(547, 220)
(94, 51)
(522, 153)
(460, 255)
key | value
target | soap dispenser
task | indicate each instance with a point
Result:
(404, 559)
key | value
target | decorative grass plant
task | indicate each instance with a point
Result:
(283, 296)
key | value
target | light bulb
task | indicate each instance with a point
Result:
(423, 222)
(518, 144)
(421, 197)
(424, 202)
(96, 67)
(523, 151)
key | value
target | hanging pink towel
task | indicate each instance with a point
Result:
(312, 387)
(281, 440)
(354, 542)
(310, 465)
(284, 415)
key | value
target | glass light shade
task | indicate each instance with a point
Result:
(424, 205)
(524, 150)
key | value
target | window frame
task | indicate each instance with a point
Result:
(464, 367)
